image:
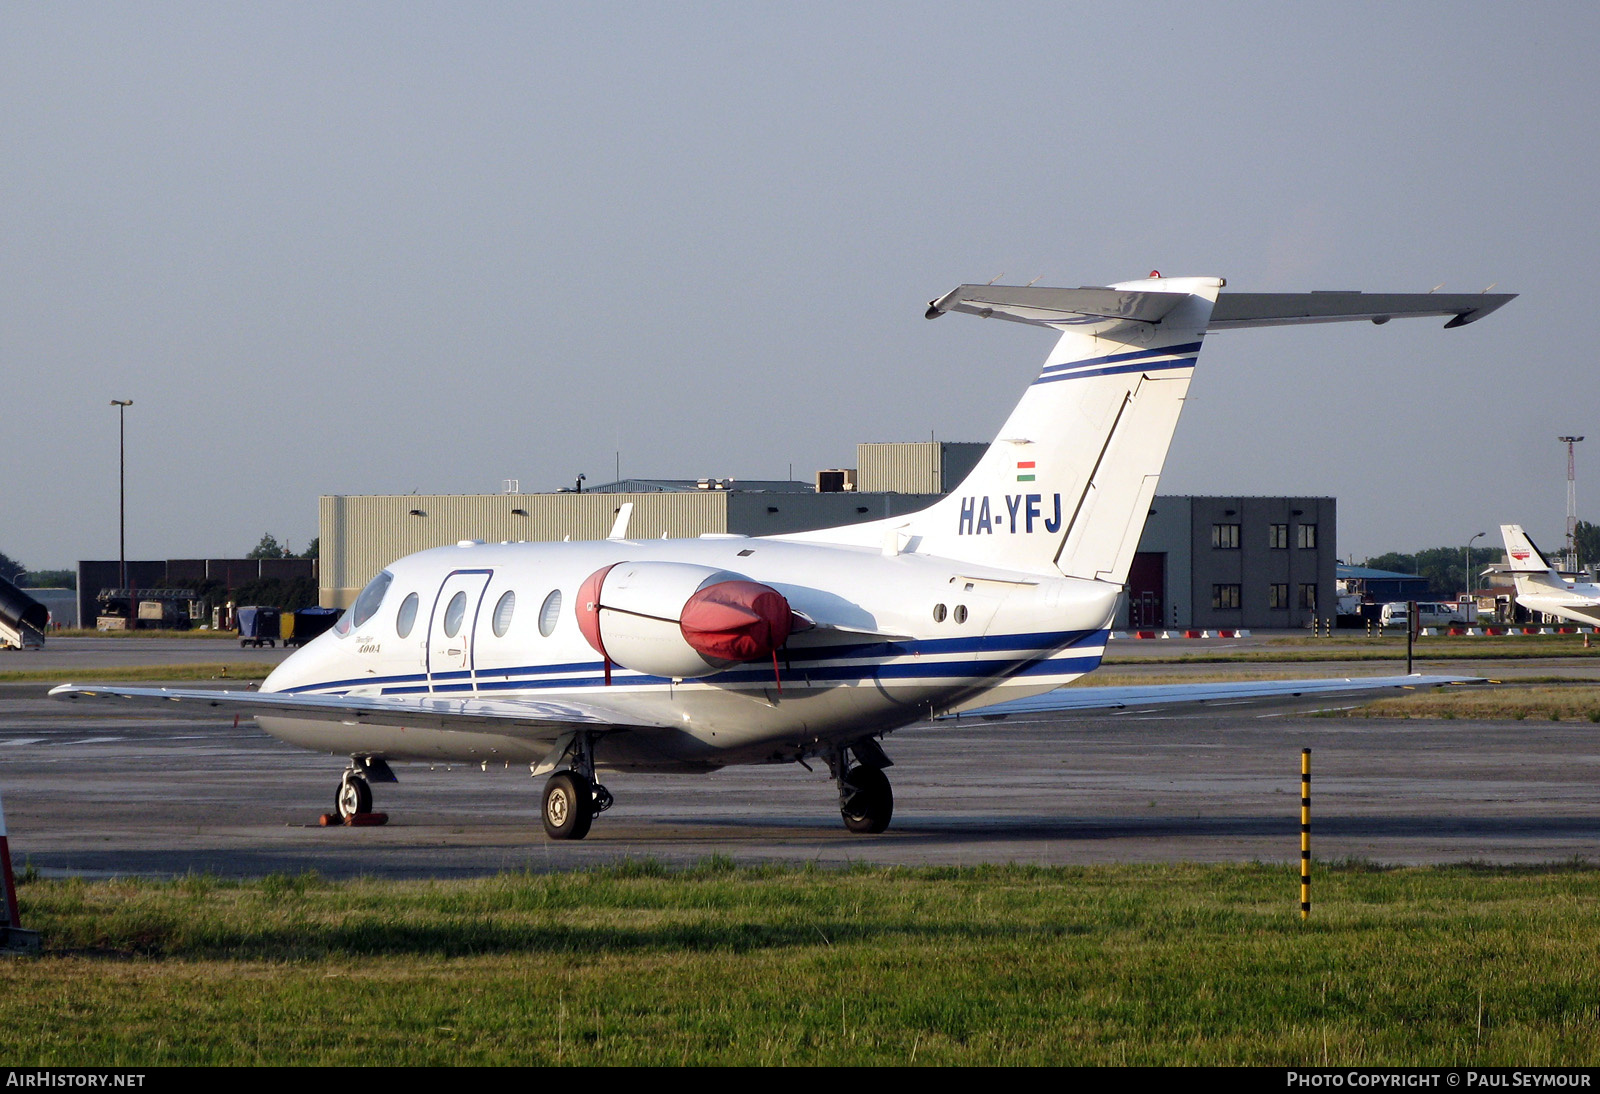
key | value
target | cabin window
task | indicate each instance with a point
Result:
(939, 613)
(550, 613)
(366, 605)
(407, 617)
(961, 613)
(454, 614)
(502, 613)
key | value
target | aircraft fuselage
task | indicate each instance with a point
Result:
(896, 637)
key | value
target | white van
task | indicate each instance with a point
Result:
(1431, 613)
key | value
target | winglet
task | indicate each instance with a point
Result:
(619, 529)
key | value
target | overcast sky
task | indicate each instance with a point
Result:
(387, 248)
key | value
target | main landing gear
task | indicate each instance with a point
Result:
(573, 797)
(866, 801)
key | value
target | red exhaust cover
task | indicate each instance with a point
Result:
(736, 621)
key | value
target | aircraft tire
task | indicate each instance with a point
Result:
(568, 806)
(873, 804)
(354, 796)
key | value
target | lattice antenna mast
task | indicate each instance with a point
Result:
(1572, 504)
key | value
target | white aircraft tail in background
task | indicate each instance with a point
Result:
(1540, 586)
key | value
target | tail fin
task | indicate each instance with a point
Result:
(1066, 486)
(1528, 567)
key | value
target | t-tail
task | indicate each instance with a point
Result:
(1526, 563)
(1066, 486)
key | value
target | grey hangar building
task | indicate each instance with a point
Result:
(1202, 562)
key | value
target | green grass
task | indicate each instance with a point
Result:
(1573, 702)
(639, 964)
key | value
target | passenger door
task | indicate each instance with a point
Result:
(451, 627)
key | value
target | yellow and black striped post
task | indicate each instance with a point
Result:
(1305, 833)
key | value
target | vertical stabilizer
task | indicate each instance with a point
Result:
(1528, 567)
(1066, 486)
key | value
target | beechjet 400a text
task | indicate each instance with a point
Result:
(691, 655)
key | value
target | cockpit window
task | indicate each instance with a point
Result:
(366, 604)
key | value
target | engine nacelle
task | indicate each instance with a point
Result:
(679, 620)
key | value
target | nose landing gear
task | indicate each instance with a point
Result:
(355, 796)
(352, 803)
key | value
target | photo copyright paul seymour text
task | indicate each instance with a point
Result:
(1437, 1079)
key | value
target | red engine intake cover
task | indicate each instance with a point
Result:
(588, 608)
(736, 621)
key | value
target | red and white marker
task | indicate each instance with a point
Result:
(8, 881)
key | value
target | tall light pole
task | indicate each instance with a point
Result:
(1470, 542)
(1572, 504)
(122, 496)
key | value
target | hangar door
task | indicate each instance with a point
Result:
(1147, 589)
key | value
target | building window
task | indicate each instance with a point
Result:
(1306, 536)
(1278, 536)
(1308, 597)
(1278, 595)
(1225, 537)
(1225, 596)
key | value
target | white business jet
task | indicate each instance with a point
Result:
(690, 655)
(1540, 586)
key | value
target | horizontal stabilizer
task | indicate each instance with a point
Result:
(1274, 309)
(1045, 307)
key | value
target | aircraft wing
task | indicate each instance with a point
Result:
(535, 719)
(1234, 693)
(1040, 306)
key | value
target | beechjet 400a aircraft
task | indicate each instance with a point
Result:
(690, 655)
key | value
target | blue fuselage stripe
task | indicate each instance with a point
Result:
(1030, 655)
(1138, 366)
(1188, 349)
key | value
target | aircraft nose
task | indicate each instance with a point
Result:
(305, 665)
